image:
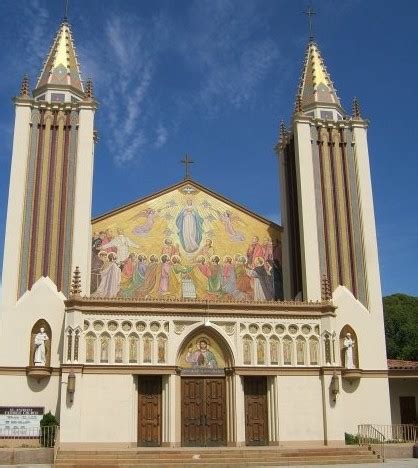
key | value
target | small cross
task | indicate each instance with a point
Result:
(65, 10)
(186, 161)
(310, 13)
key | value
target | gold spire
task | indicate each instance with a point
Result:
(76, 283)
(61, 66)
(315, 85)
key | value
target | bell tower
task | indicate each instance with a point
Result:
(327, 207)
(49, 207)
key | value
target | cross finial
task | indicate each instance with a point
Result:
(310, 13)
(65, 10)
(186, 161)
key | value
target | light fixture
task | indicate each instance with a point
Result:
(335, 385)
(71, 384)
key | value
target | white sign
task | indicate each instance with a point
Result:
(20, 421)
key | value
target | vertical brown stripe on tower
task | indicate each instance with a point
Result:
(293, 220)
(335, 210)
(50, 198)
(348, 212)
(35, 212)
(324, 209)
(63, 201)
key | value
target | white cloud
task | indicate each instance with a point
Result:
(225, 42)
(124, 64)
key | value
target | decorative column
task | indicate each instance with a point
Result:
(239, 410)
(273, 409)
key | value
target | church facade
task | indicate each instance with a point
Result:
(183, 318)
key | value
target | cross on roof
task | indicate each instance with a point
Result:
(310, 13)
(186, 161)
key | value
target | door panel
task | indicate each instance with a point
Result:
(149, 411)
(192, 391)
(215, 412)
(256, 415)
(408, 409)
(203, 412)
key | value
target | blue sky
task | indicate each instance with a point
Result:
(213, 78)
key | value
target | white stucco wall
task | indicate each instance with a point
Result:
(300, 408)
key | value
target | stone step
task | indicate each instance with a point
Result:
(223, 457)
(211, 456)
(225, 463)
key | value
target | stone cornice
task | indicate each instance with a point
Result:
(222, 308)
(65, 106)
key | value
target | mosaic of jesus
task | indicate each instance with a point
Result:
(186, 244)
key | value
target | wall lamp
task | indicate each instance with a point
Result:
(335, 386)
(71, 385)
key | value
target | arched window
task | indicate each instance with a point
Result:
(287, 351)
(274, 350)
(90, 347)
(247, 345)
(313, 351)
(261, 350)
(349, 348)
(104, 348)
(161, 348)
(119, 348)
(148, 341)
(133, 348)
(300, 351)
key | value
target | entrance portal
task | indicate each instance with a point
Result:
(149, 411)
(203, 412)
(256, 413)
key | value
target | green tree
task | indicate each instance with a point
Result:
(401, 326)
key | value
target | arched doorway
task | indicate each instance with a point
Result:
(204, 359)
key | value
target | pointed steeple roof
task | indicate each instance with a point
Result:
(61, 66)
(316, 86)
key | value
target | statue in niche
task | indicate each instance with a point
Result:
(261, 351)
(287, 351)
(39, 358)
(247, 345)
(348, 347)
(274, 351)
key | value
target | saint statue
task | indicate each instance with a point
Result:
(190, 227)
(348, 346)
(40, 350)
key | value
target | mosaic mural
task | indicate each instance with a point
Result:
(201, 356)
(186, 244)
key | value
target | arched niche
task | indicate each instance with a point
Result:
(41, 323)
(347, 329)
(204, 352)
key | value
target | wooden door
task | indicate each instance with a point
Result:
(408, 409)
(203, 412)
(149, 411)
(256, 413)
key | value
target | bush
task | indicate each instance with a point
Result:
(48, 425)
(350, 439)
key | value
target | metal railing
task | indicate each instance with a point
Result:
(376, 436)
(45, 436)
